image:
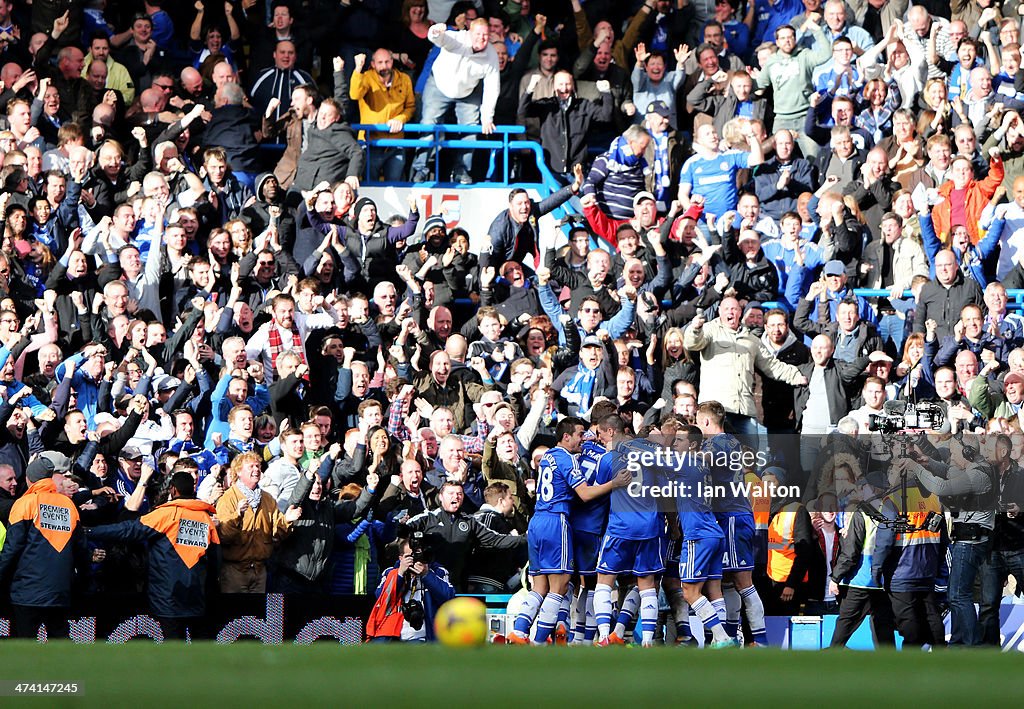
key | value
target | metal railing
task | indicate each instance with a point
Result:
(434, 137)
(1014, 297)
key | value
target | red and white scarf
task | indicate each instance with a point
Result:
(277, 345)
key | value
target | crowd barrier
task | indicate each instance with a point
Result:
(275, 619)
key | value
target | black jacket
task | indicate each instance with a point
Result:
(258, 216)
(944, 304)
(874, 202)
(513, 242)
(1009, 533)
(777, 396)
(776, 202)
(331, 154)
(759, 282)
(494, 566)
(233, 128)
(867, 337)
(564, 129)
(454, 536)
(110, 193)
(307, 550)
(840, 377)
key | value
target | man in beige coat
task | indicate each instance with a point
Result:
(249, 525)
(729, 354)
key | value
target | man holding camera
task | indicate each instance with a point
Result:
(965, 484)
(409, 595)
(1007, 556)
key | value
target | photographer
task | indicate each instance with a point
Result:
(1007, 542)
(965, 485)
(408, 596)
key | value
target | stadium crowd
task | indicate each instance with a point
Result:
(223, 369)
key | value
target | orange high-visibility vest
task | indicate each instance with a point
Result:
(781, 550)
(761, 504)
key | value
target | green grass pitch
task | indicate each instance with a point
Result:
(253, 675)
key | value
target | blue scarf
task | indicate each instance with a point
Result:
(617, 156)
(580, 389)
(662, 175)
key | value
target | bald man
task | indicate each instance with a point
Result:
(943, 298)
(118, 77)
(385, 95)
(193, 90)
(874, 190)
(826, 396)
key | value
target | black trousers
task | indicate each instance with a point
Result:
(918, 618)
(174, 628)
(854, 606)
(25, 621)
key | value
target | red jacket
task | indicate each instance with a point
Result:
(977, 196)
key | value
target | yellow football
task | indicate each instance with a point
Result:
(461, 622)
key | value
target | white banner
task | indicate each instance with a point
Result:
(472, 208)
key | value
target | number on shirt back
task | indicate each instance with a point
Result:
(545, 489)
(588, 467)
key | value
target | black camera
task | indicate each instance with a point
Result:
(900, 415)
(933, 522)
(414, 612)
(419, 547)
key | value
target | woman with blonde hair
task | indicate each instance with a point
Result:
(675, 363)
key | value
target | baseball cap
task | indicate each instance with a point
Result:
(834, 268)
(166, 382)
(1013, 378)
(879, 356)
(591, 341)
(641, 196)
(659, 107)
(747, 235)
(46, 465)
(130, 453)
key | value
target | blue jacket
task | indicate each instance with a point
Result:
(44, 547)
(221, 407)
(911, 561)
(972, 262)
(87, 389)
(616, 326)
(184, 553)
